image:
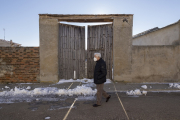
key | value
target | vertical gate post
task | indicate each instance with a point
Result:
(48, 32)
(122, 48)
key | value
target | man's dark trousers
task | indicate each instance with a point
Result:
(100, 92)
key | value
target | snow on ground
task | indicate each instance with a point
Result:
(79, 90)
(84, 80)
(45, 94)
(26, 83)
(136, 92)
(175, 85)
(144, 86)
(46, 118)
(28, 88)
(6, 87)
(57, 107)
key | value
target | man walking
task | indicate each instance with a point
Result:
(99, 79)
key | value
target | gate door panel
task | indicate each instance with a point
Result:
(99, 40)
(71, 49)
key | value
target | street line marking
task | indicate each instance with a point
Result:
(121, 102)
(69, 110)
(70, 107)
(70, 85)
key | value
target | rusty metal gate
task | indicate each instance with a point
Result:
(100, 38)
(71, 49)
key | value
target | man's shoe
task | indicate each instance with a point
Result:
(96, 105)
(108, 98)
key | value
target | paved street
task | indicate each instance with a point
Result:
(154, 106)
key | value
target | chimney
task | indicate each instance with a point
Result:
(11, 43)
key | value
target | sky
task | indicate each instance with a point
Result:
(20, 18)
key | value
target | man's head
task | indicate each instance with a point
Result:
(97, 56)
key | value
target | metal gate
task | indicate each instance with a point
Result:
(71, 49)
(100, 40)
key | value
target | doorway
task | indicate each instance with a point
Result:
(75, 60)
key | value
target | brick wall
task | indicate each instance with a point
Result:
(19, 64)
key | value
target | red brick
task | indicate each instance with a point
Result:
(25, 62)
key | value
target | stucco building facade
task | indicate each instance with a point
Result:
(168, 35)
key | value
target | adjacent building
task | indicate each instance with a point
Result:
(168, 35)
(5, 43)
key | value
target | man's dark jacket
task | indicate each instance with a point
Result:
(100, 72)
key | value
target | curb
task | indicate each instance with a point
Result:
(158, 90)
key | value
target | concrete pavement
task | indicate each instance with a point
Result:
(156, 105)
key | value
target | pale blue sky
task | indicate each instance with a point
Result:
(21, 21)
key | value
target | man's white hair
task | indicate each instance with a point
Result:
(98, 54)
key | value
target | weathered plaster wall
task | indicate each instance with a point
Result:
(19, 64)
(156, 64)
(122, 48)
(169, 35)
(48, 50)
(122, 42)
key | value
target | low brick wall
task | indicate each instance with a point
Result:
(19, 64)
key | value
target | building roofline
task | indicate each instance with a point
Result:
(153, 30)
(59, 15)
(9, 42)
(145, 32)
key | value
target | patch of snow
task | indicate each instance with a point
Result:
(79, 90)
(65, 81)
(144, 86)
(60, 107)
(144, 92)
(84, 80)
(46, 118)
(6, 87)
(14, 99)
(67, 107)
(175, 85)
(24, 83)
(108, 81)
(151, 83)
(171, 85)
(136, 92)
(28, 88)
